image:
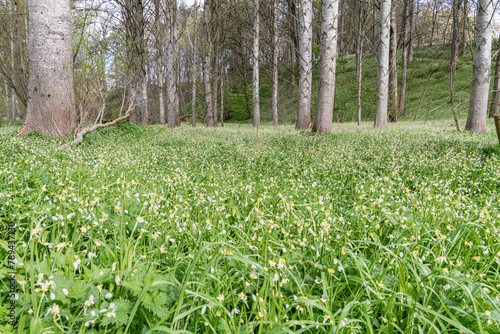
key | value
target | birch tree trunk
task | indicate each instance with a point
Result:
(207, 57)
(478, 103)
(327, 62)
(171, 64)
(305, 65)
(454, 47)
(495, 99)
(136, 51)
(255, 58)
(275, 64)
(393, 69)
(404, 60)
(50, 105)
(383, 65)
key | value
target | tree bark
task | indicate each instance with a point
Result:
(383, 65)
(50, 107)
(171, 64)
(454, 46)
(404, 62)
(194, 67)
(413, 20)
(305, 65)
(207, 57)
(358, 25)
(275, 64)
(465, 20)
(393, 69)
(478, 103)
(136, 50)
(495, 99)
(159, 59)
(255, 64)
(222, 99)
(327, 62)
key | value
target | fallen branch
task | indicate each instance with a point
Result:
(79, 135)
(182, 117)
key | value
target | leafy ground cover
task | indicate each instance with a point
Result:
(147, 230)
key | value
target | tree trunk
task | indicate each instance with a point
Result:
(393, 69)
(413, 20)
(404, 60)
(209, 119)
(495, 99)
(326, 90)
(6, 100)
(255, 64)
(51, 108)
(136, 52)
(454, 46)
(222, 99)
(171, 64)
(215, 88)
(305, 65)
(465, 20)
(358, 25)
(275, 64)
(383, 65)
(159, 60)
(194, 67)
(478, 103)
(434, 19)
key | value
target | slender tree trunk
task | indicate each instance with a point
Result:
(305, 65)
(374, 30)
(328, 54)
(215, 88)
(171, 64)
(382, 97)
(413, 19)
(11, 40)
(495, 99)
(478, 103)
(404, 62)
(454, 47)
(51, 101)
(393, 69)
(7, 99)
(434, 20)
(222, 99)
(358, 25)
(209, 119)
(255, 58)
(159, 60)
(194, 67)
(275, 64)
(465, 20)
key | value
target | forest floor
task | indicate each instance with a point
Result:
(230, 230)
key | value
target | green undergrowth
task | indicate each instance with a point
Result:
(230, 230)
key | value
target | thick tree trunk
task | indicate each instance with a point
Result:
(383, 65)
(50, 107)
(136, 50)
(454, 46)
(495, 99)
(305, 65)
(478, 103)
(255, 64)
(393, 70)
(275, 64)
(207, 57)
(328, 55)
(404, 60)
(413, 20)
(171, 64)
(358, 25)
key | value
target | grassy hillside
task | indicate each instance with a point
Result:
(427, 97)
